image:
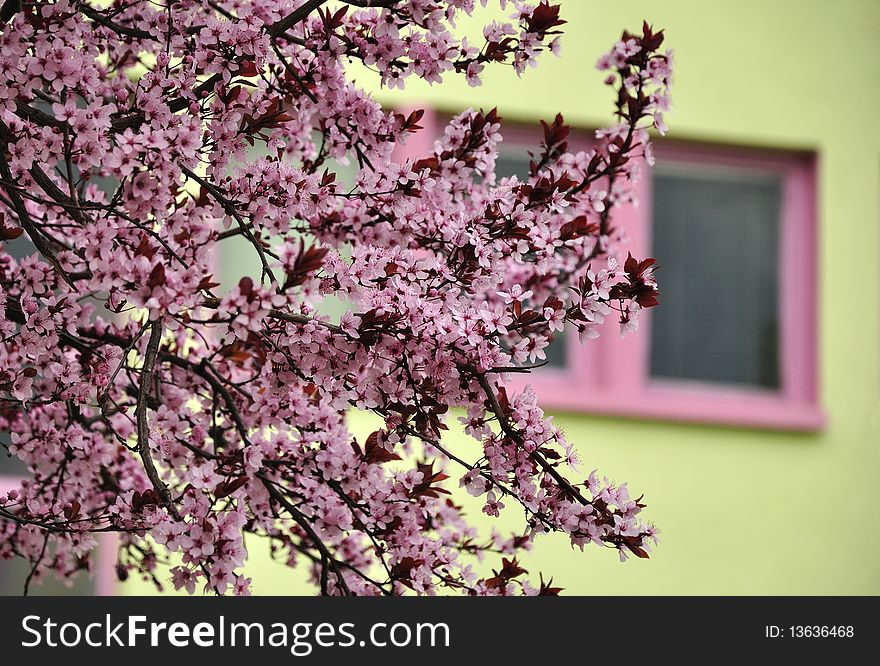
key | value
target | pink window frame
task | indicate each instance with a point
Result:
(610, 376)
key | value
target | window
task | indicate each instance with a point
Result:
(734, 338)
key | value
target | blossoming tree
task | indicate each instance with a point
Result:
(148, 399)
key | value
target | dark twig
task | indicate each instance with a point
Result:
(143, 424)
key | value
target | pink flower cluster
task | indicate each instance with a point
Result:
(149, 399)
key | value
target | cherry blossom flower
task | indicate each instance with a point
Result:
(149, 397)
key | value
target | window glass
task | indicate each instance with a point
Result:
(716, 239)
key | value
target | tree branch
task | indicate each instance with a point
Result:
(299, 14)
(303, 522)
(516, 436)
(143, 425)
(229, 206)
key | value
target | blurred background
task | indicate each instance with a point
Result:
(747, 409)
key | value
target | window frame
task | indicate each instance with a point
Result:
(610, 376)
(614, 379)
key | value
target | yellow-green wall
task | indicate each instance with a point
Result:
(741, 511)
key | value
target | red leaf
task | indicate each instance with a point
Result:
(246, 286)
(71, 512)
(145, 248)
(248, 68)
(309, 261)
(577, 227)
(375, 452)
(544, 17)
(430, 163)
(157, 276)
(207, 282)
(235, 352)
(547, 589)
(229, 486)
(147, 498)
(425, 487)
(402, 570)
(10, 233)
(638, 551)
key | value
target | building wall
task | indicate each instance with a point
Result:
(741, 511)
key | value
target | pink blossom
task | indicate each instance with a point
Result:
(148, 396)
